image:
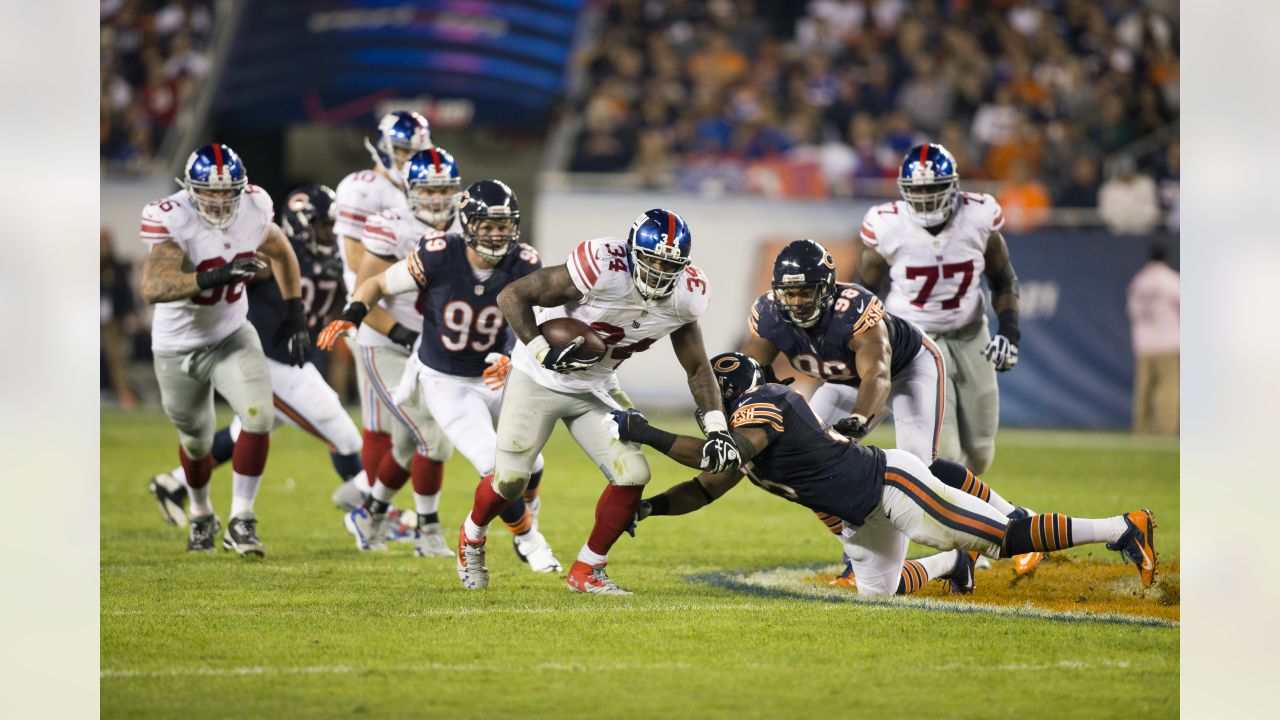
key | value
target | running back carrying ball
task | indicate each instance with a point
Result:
(560, 332)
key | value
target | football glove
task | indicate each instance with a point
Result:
(352, 315)
(630, 422)
(558, 360)
(719, 452)
(402, 335)
(853, 427)
(293, 330)
(238, 270)
(495, 376)
(772, 377)
(1002, 353)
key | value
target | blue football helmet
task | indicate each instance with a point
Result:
(928, 181)
(736, 373)
(804, 282)
(490, 200)
(432, 186)
(658, 248)
(400, 134)
(307, 218)
(214, 180)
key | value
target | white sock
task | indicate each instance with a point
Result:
(1085, 530)
(426, 504)
(591, 558)
(362, 482)
(383, 493)
(200, 506)
(1004, 506)
(940, 564)
(244, 489)
(474, 531)
(179, 474)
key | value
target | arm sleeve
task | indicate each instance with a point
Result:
(870, 316)
(400, 279)
(758, 413)
(155, 225)
(867, 233)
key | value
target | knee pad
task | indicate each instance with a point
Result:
(634, 474)
(510, 484)
(258, 419)
(195, 447)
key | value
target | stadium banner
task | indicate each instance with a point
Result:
(1076, 364)
(485, 63)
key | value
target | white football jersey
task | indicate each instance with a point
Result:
(207, 318)
(611, 304)
(935, 281)
(395, 234)
(360, 195)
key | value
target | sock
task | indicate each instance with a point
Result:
(915, 573)
(834, 524)
(517, 518)
(428, 476)
(363, 482)
(426, 504)
(381, 494)
(615, 512)
(376, 445)
(533, 496)
(1039, 533)
(958, 476)
(590, 557)
(391, 475)
(486, 506)
(347, 466)
(1108, 530)
(223, 446)
(196, 474)
(248, 460)
(474, 532)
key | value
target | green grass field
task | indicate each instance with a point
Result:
(317, 630)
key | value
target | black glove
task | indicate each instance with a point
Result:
(634, 427)
(293, 329)
(402, 335)
(560, 360)
(239, 269)
(853, 427)
(719, 452)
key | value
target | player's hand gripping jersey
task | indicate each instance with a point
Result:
(610, 303)
(207, 318)
(822, 351)
(394, 235)
(361, 195)
(321, 294)
(934, 279)
(804, 462)
(462, 323)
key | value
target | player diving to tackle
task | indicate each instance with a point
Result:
(462, 360)
(302, 397)
(205, 242)
(871, 363)
(885, 496)
(633, 292)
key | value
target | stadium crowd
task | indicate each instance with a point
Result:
(1042, 96)
(152, 54)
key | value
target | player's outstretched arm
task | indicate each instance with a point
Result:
(690, 495)
(163, 279)
(371, 266)
(872, 270)
(548, 287)
(689, 451)
(1003, 348)
(760, 350)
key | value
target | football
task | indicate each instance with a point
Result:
(561, 331)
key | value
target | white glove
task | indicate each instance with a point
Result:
(1002, 353)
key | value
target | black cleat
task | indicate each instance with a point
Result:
(172, 496)
(242, 536)
(961, 576)
(203, 530)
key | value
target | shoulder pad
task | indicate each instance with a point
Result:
(596, 264)
(259, 200)
(876, 221)
(692, 293)
(763, 319)
(856, 309)
(761, 406)
(984, 209)
(163, 218)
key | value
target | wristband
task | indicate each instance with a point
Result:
(212, 278)
(354, 312)
(713, 421)
(402, 335)
(1009, 325)
(295, 311)
(538, 347)
(646, 434)
(659, 505)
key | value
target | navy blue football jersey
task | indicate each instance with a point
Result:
(822, 351)
(805, 462)
(322, 294)
(461, 323)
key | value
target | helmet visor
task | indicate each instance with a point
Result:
(433, 204)
(493, 238)
(800, 303)
(217, 206)
(931, 199)
(656, 275)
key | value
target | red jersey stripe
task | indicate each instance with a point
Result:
(583, 261)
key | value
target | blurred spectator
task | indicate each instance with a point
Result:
(1168, 186)
(1154, 311)
(1024, 200)
(115, 308)
(1127, 201)
(1081, 189)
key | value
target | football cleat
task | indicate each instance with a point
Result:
(960, 579)
(471, 570)
(1026, 563)
(1138, 544)
(533, 548)
(401, 525)
(348, 496)
(846, 578)
(982, 563)
(428, 541)
(171, 493)
(242, 536)
(203, 530)
(370, 530)
(591, 579)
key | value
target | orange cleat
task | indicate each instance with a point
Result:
(1026, 563)
(592, 580)
(846, 578)
(1138, 544)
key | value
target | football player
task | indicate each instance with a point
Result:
(461, 363)
(361, 195)
(633, 292)
(871, 362)
(933, 245)
(301, 396)
(206, 240)
(886, 496)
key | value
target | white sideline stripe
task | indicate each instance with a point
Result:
(445, 612)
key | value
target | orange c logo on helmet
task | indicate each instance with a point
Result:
(828, 261)
(727, 364)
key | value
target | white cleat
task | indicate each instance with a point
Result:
(348, 496)
(370, 531)
(470, 563)
(982, 563)
(171, 494)
(428, 541)
(533, 548)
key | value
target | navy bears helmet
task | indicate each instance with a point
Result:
(736, 373)
(490, 200)
(307, 217)
(804, 282)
